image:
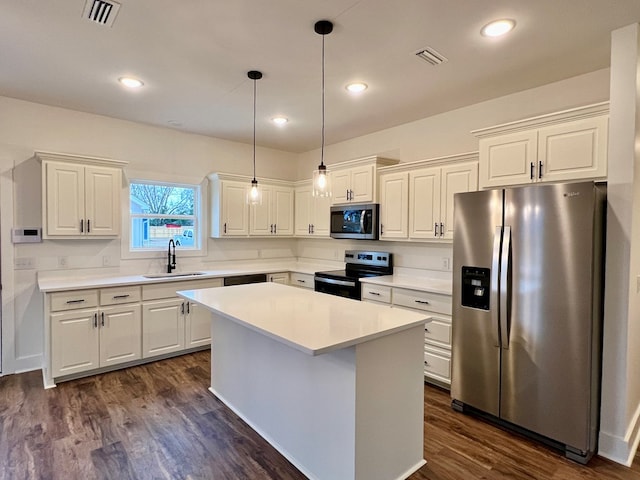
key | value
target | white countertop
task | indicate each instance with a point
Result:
(56, 283)
(413, 283)
(311, 322)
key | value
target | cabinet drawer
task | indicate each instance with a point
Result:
(117, 295)
(437, 365)
(430, 302)
(438, 332)
(168, 290)
(302, 280)
(378, 293)
(74, 299)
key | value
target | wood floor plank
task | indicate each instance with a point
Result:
(159, 421)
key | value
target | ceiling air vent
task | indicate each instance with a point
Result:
(430, 55)
(101, 12)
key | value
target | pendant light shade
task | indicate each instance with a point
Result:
(254, 193)
(321, 178)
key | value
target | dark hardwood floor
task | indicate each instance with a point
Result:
(158, 421)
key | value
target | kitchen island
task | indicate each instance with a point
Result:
(334, 384)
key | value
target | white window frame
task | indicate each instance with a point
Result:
(200, 211)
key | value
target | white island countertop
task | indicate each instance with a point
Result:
(312, 322)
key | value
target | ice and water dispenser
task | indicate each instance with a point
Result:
(476, 285)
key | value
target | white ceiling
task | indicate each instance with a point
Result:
(193, 56)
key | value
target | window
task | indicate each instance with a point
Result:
(161, 211)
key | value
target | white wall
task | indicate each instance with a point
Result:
(26, 127)
(620, 422)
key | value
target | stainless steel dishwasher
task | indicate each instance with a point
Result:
(244, 279)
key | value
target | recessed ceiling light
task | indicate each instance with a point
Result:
(130, 82)
(356, 87)
(498, 28)
(280, 120)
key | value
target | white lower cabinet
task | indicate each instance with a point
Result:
(302, 280)
(437, 331)
(170, 323)
(281, 277)
(84, 339)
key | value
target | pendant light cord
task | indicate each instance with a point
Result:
(322, 145)
(254, 128)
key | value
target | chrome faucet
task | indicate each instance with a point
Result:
(171, 257)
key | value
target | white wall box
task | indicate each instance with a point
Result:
(355, 181)
(416, 198)
(563, 146)
(311, 213)
(171, 324)
(80, 196)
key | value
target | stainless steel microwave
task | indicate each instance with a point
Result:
(355, 221)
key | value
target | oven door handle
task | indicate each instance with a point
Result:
(345, 283)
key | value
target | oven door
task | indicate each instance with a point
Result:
(341, 288)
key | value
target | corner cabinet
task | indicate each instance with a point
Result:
(355, 181)
(416, 198)
(81, 196)
(311, 213)
(563, 146)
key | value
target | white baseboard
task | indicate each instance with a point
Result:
(621, 449)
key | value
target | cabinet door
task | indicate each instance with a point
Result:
(261, 221)
(120, 334)
(64, 199)
(424, 203)
(102, 201)
(573, 150)
(282, 210)
(197, 325)
(321, 207)
(74, 341)
(282, 278)
(303, 211)
(394, 205)
(362, 185)
(235, 212)
(455, 179)
(162, 327)
(340, 186)
(509, 159)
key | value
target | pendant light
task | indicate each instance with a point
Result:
(254, 195)
(321, 179)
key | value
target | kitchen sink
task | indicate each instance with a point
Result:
(174, 274)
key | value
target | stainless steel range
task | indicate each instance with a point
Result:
(358, 264)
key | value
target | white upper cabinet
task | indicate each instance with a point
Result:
(229, 209)
(416, 198)
(564, 146)
(274, 217)
(311, 213)
(81, 196)
(355, 181)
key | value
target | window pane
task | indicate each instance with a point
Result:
(150, 232)
(162, 199)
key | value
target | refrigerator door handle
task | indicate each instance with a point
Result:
(505, 287)
(495, 278)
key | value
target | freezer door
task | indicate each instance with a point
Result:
(475, 376)
(547, 349)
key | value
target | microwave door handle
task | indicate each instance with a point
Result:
(363, 214)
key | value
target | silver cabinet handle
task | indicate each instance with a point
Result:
(275, 228)
(374, 293)
(82, 225)
(95, 320)
(102, 319)
(302, 281)
(71, 302)
(224, 230)
(88, 225)
(309, 228)
(423, 302)
(348, 196)
(435, 229)
(531, 171)
(442, 229)
(188, 308)
(540, 169)
(381, 229)
(117, 297)
(313, 228)
(182, 308)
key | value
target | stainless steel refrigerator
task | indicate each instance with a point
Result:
(527, 310)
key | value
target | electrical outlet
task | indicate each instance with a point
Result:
(445, 263)
(63, 261)
(106, 260)
(24, 263)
